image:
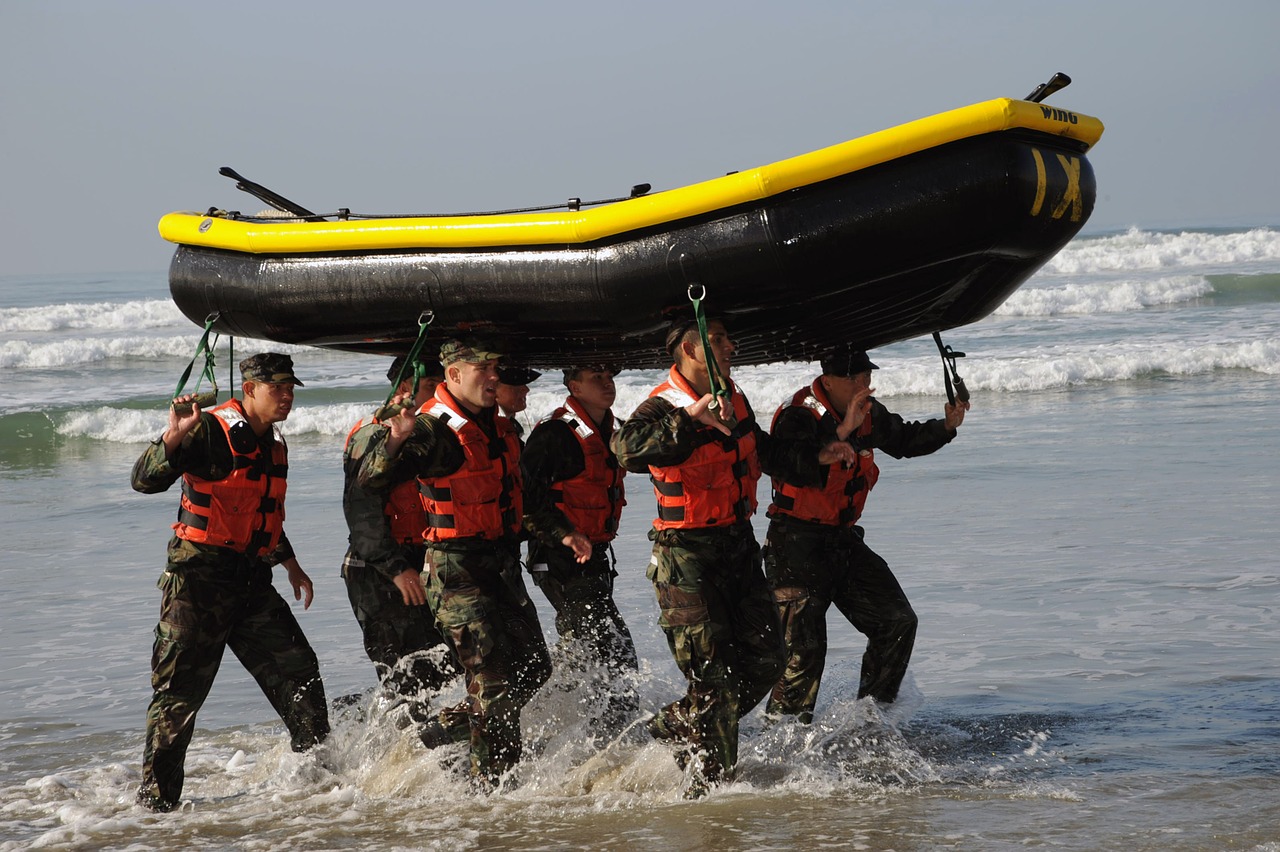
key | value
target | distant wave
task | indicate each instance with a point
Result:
(18, 354)
(767, 387)
(1105, 297)
(1137, 249)
(103, 316)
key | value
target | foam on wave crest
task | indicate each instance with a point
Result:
(1105, 298)
(1138, 249)
(98, 316)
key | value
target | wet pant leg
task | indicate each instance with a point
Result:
(875, 604)
(479, 601)
(799, 566)
(723, 632)
(403, 642)
(195, 618)
(269, 642)
(594, 638)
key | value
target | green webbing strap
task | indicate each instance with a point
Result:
(949, 356)
(207, 371)
(719, 387)
(411, 360)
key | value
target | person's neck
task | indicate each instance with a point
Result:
(696, 375)
(256, 422)
(597, 414)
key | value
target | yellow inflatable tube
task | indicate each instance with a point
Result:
(599, 223)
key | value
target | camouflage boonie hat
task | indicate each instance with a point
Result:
(470, 350)
(271, 367)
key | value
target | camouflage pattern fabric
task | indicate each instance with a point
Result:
(722, 629)
(213, 599)
(478, 597)
(403, 642)
(594, 639)
(810, 567)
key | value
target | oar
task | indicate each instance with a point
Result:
(274, 199)
(1056, 82)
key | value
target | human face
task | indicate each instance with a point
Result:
(594, 389)
(426, 390)
(474, 384)
(268, 402)
(513, 399)
(841, 389)
(722, 348)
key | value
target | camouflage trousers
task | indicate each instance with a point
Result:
(206, 608)
(477, 594)
(811, 567)
(403, 642)
(722, 629)
(594, 639)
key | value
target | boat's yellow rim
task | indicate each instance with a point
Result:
(585, 226)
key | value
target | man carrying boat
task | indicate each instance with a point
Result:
(217, 590)
(466, 459)
(716, 610)
(814, 551)
(384, 556)
(573, 501)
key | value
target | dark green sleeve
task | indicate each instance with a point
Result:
(368, 527)
(904, 439)
(432, 450)
(154, 471)
(657, 434)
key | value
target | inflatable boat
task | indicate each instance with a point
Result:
(912, 230)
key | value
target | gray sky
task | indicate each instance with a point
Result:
(114, 113)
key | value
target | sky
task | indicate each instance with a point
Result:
(115, 113)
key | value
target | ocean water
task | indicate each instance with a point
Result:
(1093, 561)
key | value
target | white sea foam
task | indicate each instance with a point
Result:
(1105, 298)
(73, 351)
(1138, 249)
(97, 316)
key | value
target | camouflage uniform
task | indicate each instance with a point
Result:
(811, 566)
(477, 595)
(214, 598)
(720, 621)
(402, 641)
(587, 619)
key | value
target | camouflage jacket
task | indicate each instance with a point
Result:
(369, 541)
(205, 454)
(432, 450)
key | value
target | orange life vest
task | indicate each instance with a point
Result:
(484, 497)
(243, 511)
(840, 501)
(716, 485)
(592, 500)
(403, 506)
